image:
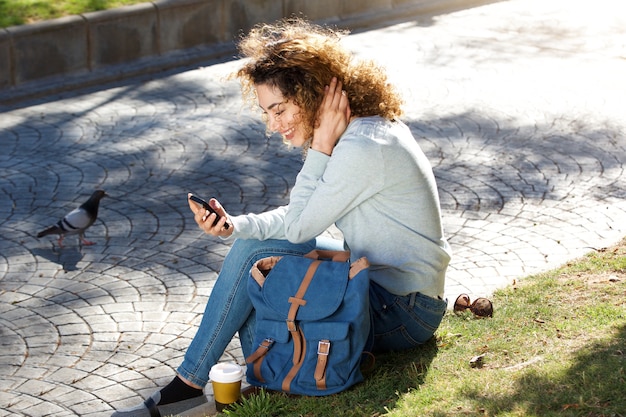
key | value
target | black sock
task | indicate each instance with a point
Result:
(177, 390)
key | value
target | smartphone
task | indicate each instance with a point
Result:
(207, 207)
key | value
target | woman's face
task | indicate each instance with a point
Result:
(282, 115)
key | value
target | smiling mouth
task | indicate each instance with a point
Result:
(289, 132)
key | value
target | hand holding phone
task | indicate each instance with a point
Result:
(206, 206)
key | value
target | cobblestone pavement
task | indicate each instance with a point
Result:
(518, 104)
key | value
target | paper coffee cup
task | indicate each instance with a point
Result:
(226, 380)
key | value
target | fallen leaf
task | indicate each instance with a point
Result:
(477, 361)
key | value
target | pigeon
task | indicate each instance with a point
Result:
(77, 220)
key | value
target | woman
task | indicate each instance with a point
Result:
(363, 172)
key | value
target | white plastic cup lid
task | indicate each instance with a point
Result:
(226, 372)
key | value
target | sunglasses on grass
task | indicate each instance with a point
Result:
(481, 307)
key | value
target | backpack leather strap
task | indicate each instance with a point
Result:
(299, 342)
(335, 255)
(296, 301)
(286, 384)
(257, 357)
(323, 349)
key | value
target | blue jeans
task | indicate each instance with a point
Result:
(403, 322)
(399, 322)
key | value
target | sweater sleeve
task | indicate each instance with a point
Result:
(329, 187)
(262, 226)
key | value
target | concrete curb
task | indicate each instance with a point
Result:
(99, 47)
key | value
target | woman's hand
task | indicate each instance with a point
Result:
(205, 219)
(333, 118)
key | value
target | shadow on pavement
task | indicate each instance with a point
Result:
(67, 257)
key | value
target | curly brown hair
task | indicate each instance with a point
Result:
(301, 58)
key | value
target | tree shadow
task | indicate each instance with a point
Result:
(481, 162)
(593, 386)
(391, 375)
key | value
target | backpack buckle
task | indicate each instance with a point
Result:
(266, 343)
(323, 347)
(291, 325)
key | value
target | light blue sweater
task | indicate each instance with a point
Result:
(379, 190)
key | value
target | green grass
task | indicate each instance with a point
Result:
(19, 12)
(554, 347)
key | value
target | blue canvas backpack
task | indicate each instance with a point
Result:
(312, 322)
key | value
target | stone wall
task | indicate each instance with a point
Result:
(109, 45)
